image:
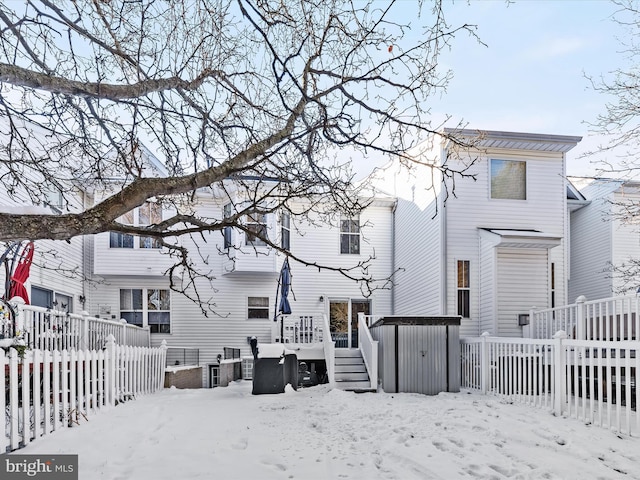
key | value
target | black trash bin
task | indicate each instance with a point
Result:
(273, 368)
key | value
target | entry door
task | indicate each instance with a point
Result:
(343, 320)
(339, 322)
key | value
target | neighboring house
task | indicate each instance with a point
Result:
(605, 239)
(56, 275)
(487, 246)
(132, 285)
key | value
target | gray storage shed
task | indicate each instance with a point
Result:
(418, 354)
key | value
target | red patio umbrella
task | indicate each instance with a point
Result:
(21, 273)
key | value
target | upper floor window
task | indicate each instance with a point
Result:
(285, 230)
(226, 231)
(509, 179)
(53, 197)
(148, 214)
(146, 307)
(350, 235)
(256, 229)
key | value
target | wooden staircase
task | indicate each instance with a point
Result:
(351, 372)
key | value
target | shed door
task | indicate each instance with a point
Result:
(522, 283)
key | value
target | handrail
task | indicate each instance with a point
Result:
(613, 318)
(329, 348)
(369, 349)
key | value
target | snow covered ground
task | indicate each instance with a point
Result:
(317, 433)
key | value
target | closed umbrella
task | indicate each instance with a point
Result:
(21, 274)
(284, 308)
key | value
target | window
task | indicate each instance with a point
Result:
(463, 289)
(148, 214)
(226, 231)
(53, 197)
(122, 240)
(285, 230)
(256, 229)
(146, 307)
(258, 307)
(553, 285)
(42, 297)
(508, 179)
(350, 235)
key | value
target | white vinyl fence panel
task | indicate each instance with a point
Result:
(591, 380)
(46, 390)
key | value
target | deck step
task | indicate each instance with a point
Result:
(351, 368)
(357, 386)
(350, 371)
(352, 376)
(348, 352)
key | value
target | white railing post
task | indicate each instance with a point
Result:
(123, 339)
(111, 370)
(20, 320)
(485, 376)
(85, 330)
(560, 385)
(529, 331)
(581, 318)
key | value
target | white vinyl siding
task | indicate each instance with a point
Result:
(471, 209)
(592, 244)
(523, 282)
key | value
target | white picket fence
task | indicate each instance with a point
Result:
(590, 380)
(65, 387)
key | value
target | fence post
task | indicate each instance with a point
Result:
(85, 330)
(162, 364)
(18, 303)
(560, 392)
(581, 318)
(529, 330)
(110, 367)
(485, 377)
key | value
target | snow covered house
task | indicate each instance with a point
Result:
(487, 246)
(605, 239)
(132, 283)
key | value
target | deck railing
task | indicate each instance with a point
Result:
(45, 329)
(329, 348)
(299, 329)
(369, 349)
(615, 318)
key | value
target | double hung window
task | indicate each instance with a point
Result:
(350, 235)
(147, 307)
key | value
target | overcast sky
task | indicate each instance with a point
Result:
(531, 76)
